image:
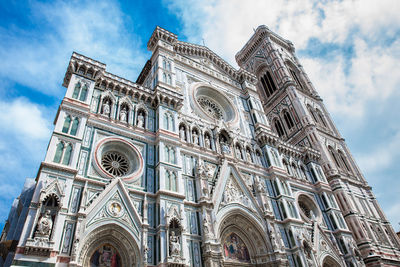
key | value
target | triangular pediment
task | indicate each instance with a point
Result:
(205, 57)
(114, 205)
(232, 190)
(324, 245)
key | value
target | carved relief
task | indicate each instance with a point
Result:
(233, 194)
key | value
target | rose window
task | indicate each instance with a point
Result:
(305, 209)
(118, 157)
(115, 163)
(210, 107)
(308, 207)
(212, 103)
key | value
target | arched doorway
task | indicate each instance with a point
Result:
(109, 245)
(330, 262)
(242, 241)
(105, 255)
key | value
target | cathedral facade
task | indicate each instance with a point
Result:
(197, 164)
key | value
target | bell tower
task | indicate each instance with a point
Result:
(297, 115)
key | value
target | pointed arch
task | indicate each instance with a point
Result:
(67, 124)
(288, 119)
(294, 72)
(59, 152)
(329, 261)
(312, 112)
(84, 91)
(321, 117)
(278, 127)
(249, 229)
(344, 160)
(67, 155)
(113, 234)
(267, 83)
(74, 127)
(77, 89)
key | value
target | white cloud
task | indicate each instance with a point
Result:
(381, 157)
(394, 215)
(24, 136)
(38, 59)
(372, 76)
(23, 119)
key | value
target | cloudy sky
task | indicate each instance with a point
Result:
(350, 49)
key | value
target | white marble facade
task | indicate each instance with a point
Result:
(200, 164)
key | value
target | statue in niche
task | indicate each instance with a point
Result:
(207, 142)
(273, 241)
(174, 245)
(106, 107)
(238, 153)
(140, 120)
(206, 227)
(75, 247)
(205, 172)
(224, 146)
(44, 225)
(195, 138)
(204, 186)
(248, 156)
(122, 114)
(182, 133)
(145, 253)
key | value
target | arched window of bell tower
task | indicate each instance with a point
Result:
(311, 110)
(321, 118)
(279, 128)
(295, 77)
(344, 160)
(334, 156)
(288, 119)
(268, 84)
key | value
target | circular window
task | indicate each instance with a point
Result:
(213, 104)
(308, 208)
(210, 107)
(115, 163)
(116, 157)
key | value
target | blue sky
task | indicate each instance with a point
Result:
(350, 50)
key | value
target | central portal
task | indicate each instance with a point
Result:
(105, 256)
(109, 245)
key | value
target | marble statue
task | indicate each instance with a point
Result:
(174, 245)
(44, 225)
(106, 108)
(140, 120)
(122, 114)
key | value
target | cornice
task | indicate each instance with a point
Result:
(56, 166)
(255, 41)
(78, 60)
(161, 34)
(131, 131)
(189, 49)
